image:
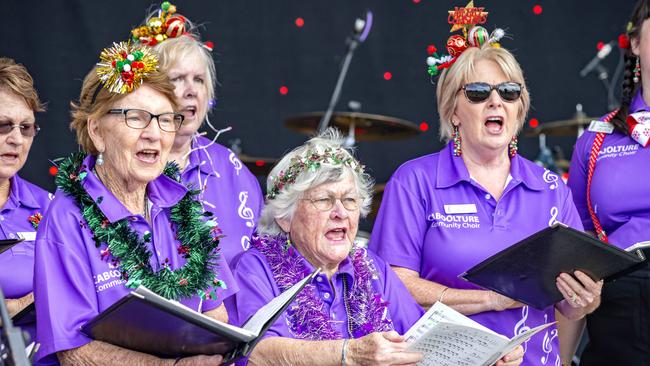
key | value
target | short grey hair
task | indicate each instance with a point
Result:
(284, 204)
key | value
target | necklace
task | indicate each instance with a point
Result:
(366, 311)
(198, 244)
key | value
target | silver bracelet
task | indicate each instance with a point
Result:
(344, 351)
(442, 294)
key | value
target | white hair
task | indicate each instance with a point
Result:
(283, 205)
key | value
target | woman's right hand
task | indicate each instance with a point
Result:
(387, 348)
(499, 302)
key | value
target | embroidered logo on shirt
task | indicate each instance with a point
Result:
(108, 279)
(441, 220)
(618, 151)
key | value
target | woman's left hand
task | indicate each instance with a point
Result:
(514, 358)
(581, 294)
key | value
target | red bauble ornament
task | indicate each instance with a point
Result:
(431, 49)
(456, 44)
(175, 26)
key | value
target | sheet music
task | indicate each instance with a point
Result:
(449, 338)
(256, 323)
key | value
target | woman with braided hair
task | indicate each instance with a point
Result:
(612, 153)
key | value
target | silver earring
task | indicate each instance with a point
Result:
(100, 159)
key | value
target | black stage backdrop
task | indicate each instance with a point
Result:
(259, 48)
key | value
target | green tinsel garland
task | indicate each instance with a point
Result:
(197, 243)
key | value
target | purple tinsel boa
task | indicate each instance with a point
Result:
(307, 318)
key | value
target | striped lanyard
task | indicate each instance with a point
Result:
(593, 158)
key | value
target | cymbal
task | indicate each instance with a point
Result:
(258, 166)
(367, 127)
(567, 127)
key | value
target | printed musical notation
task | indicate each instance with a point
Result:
(449, 338)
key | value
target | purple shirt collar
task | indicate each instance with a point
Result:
(162, 192)
(452, 170)
(638, 103)
(20, 194)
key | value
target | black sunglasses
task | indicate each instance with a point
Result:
(509, 91)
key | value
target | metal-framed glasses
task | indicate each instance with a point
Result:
(479, 92)
(351, 203)
(140, 119)
(26, 129)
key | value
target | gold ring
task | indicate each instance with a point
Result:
(574, 298)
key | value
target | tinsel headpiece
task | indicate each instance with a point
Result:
(123, 67)
(311, 161)
(164, 24)
(474, 35)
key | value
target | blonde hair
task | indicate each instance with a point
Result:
(453, 78)
(94, 106)
(15, 78)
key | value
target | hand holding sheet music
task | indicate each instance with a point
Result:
(449, 338)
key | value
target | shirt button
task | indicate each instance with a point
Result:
(333, 316)
(12, 236)
(319, 279)
(326, 295)
(488, 196)
(2, 218)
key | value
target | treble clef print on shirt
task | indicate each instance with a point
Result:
(551, 178)
(235, 162)
(547, 345)
(244, 211)
(521, 327)
(553, 220)
(245, 242)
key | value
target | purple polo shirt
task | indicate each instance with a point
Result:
(257, 287)
(73, 282)
(230, 192)
(619, 189)
(17, 264)
(436, 220)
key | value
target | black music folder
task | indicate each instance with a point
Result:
(6, 244)
(26, 316)
(526, 271)
(146, 322)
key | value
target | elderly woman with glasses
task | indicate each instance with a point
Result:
(443, 213)
(22, 203)
(228, 189)
(117, 223)
(355, 311)
(316, 195)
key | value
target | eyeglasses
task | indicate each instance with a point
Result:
(351, 203)
(140, 119)
(26, 129)
(480, 92)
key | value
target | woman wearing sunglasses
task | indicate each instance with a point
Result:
(443, 213)
(121, 218)
(609, 183)
(22, 204)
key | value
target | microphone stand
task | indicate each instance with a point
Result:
(12, 339)
(360, 35)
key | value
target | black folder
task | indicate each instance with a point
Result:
(26, 316)
(146, 322)
(526, 271)
(6, 244)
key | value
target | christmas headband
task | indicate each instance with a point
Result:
(310, 162)
(163, 25)
(123, 67)
(474, 35)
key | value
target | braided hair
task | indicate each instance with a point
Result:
(640, 13)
